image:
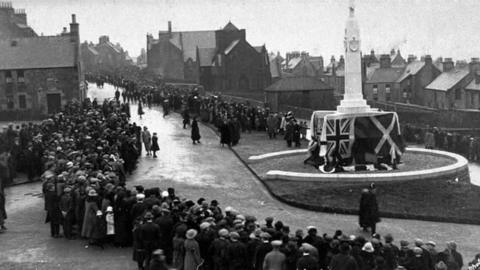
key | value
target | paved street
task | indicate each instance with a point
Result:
(206, 170)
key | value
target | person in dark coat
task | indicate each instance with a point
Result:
(186, 118)
(155, 146)
(149, 237)
(262, 250)
(342, 260)
(165, 222)
(138, 251)
(140, 110)
(236, 253)
(368, 212)
(92, 227)
(195, 131)
(224, 134)
(54, 215)
(307, 261)
(218, 250)
(68, 212)
(289, 132)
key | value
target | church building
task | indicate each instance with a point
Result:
(220, 60)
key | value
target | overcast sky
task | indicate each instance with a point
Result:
(448, 28)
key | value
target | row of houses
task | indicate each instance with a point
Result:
(104, 57)
(442, 84)
(38, 74)
(390, 78)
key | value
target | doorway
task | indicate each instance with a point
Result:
(54, 103)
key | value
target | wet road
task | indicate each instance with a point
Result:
(206, 170)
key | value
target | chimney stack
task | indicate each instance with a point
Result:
(448, 65)
(474, 66)
(411, 58)
(74, 30)
(392, 52)
(385, 61)
(428, 59)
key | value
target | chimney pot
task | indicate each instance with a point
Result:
(74, 18)
(169, 27)
(428, 59)
(385, 61)
(448, 64)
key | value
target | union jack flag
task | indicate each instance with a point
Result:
(339, 138)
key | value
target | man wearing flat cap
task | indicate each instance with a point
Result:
(217, 250)
(275, 260)
(236, 253)
(262, 250)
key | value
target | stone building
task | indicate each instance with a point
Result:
(455, 87)
(220, 60)
(299, 92)
(39, 75)
(13, 22)
(334, 76)
(383, 85)
(416, 75)
(104, 57)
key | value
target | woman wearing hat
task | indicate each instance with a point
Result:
(90, 228)
(195, 131)
(155, 146)
(192, 258)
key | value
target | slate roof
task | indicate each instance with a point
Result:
(188, 42)
(205, 56)
(473, 86)
(37, 52)
(317, 62)
(258, 48)
(293, 62)
(110, 45)
(298, 84)
(447, 80)
(231, 46)
(230, 27)
(386, 75)
(92, 50)
(411, 69)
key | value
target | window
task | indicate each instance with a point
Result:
(458, 94)
(388, 95)
(8, 76)
(375, 92)
(20, 76)
(10, 104)
(22, 101)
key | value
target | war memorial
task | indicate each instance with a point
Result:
(363, 144)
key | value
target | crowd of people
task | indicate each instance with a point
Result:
(84, 154)
(466, 143)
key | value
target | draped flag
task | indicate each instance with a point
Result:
(369, 138)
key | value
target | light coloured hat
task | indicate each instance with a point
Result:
(223, 233)
(92, 192)
(368, 247)
(140, 196)
(276, 243)
(204, 225)
(109, 209)
(164, 194)
(191, 234)
(431, 243)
